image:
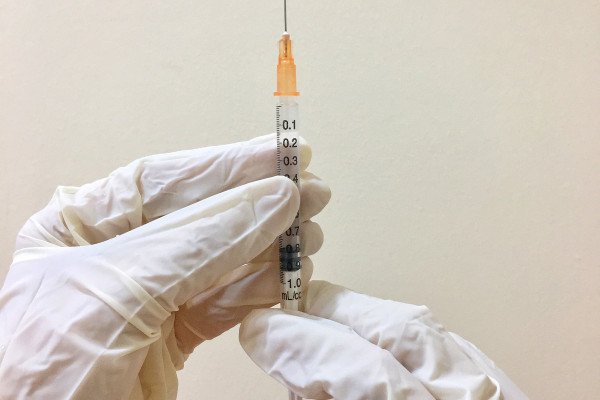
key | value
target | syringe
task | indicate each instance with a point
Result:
(288, 164)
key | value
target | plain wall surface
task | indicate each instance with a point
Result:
(461, 141)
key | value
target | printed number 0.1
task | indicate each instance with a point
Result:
(286, 124)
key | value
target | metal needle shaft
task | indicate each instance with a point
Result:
(285, 15)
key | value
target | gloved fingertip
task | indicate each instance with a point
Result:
(312, 238)
(319, 291)
(324, 192)
(263, 139)
(307, 269)
(281, 193)
(305, 153)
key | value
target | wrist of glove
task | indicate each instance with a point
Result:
(351, 346)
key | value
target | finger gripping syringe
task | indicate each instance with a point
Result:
(288, 165)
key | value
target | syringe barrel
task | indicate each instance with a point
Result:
(288, 165)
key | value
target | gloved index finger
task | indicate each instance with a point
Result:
(149, 188)
(411, 334)
(172, 181)
(182, 254)
(321, 359)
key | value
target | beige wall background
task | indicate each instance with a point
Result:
(461, 141)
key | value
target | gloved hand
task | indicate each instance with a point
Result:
(114, 283)
(351, 346)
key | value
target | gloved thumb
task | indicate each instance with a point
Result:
(183, 253)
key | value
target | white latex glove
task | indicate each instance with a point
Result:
(351, 346)
(114, 283)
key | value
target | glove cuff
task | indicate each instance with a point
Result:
(124, 295)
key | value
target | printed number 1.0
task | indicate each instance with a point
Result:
(298, 283)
